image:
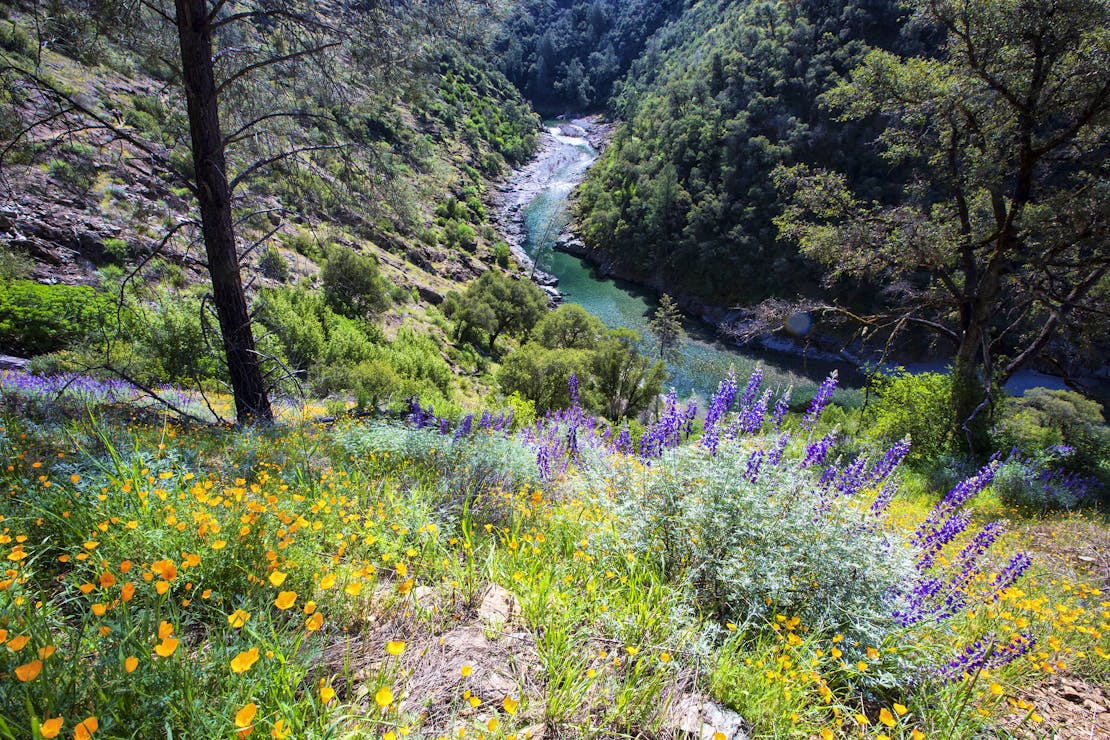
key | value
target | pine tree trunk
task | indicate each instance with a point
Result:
(214, 196)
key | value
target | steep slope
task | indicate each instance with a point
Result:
(718, 99)
(393, 144)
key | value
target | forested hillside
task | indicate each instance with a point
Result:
(722, 97)
(567, 55)
(355, 138)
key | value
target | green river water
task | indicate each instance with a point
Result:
(703, 360)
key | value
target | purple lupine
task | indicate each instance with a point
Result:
(777, 451)
(751, 473)
(886, 465)
(624, 441)
(464, 427)
(572, 389)
(1008, 576)
(418, 415)
(851, 479)
(955, 499)
(486, 420)
(722, 400)
(751, 416)
(917, 599)
(444, 426)
(752, 389)
(932, 544)
(827, 477)
(781, 407)
(886, 495)
(817, 451)
(978, 656)
(820, 400)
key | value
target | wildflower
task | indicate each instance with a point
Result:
(29, 671)
(285, 599)
(354, 588)
(395, 647)
(166, 569)
(51, 727)
(491, 724)
(277, 578)
(85, 728)
(18, 643)
(166, 647)
(244, 660)
(327, 693)
(467, 670)
(314, 622)
(900, 709)
(244, 717)
(130, 663)
(280, 730)
(510, 705)
(384, 697)
(820, 400)
(886, 717)
(238, 618)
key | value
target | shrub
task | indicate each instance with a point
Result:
(173, 341)
(116, 251)
(273, 265)
(35, 319)
(352, 284)
(751, 549)
(919, 405)
(371, 382)
(1033, 484)
(1044, 419)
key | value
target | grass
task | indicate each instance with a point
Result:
(326, 581)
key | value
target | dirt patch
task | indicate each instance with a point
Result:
(1072, 710)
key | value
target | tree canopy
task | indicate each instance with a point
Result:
(1000, 244)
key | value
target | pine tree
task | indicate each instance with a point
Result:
(666, 327)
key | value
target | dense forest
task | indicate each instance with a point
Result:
(568, 55)
(722, 97)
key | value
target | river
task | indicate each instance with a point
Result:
(536, 199)
(533, 212)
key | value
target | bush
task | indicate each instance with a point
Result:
(36, 319)
(1044, 419)
(352, 285)
(273, 265)
(1031, 484)
(173, 341)
(919, 405)
(116, 251)
(371, 382)
(749, 550)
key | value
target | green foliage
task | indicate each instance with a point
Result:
(35, 319)
(719, 98)
(666, 326)
(352, 284)
(273, 265)
(569, 327)
(746, 551)
(495, 304)
(116, 251)
(177, 341)
(372, 382)
(541, 375)
(1042, 419)
(614, 378)
(571, 54)
(919, 405)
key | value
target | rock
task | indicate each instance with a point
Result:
(696, 716)
(7, 362)
(497, 606)
(429, 295)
